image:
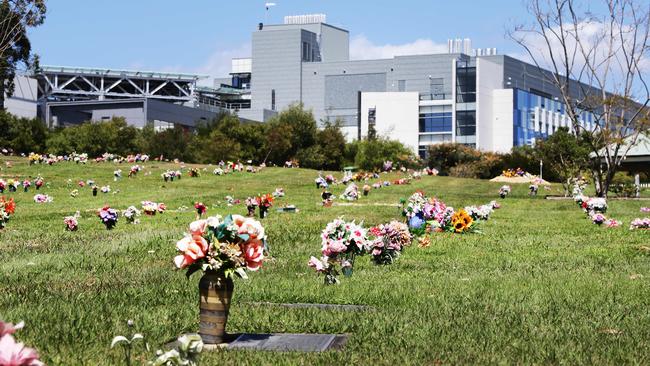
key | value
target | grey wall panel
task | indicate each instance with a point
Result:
(173, 113)
(341, 90)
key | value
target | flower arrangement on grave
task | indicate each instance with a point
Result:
(251, 206)
(598, 218)
(12, 184)
(117, 174)
(351, 192)
(279, 192)
(7, 209)
(511, 173)
(81, 183)
(366, 189)
(134, 170)
(149, 208)
(611, 223)
(342, 241)
(264, 202)
(321, 182)
(402, 181)
(108, 216)
(34, 158)
(38, 183)
(429, 171)
(504, 191)
(3, 186)
(533, 188)
(387, 166)
(482, 212)
(424, 215)
(71, 222)
(74, 193)
(376, 185)
(221, 249)
(42, 198)
(26, 185)
(193, 172)
(330, 179)
(595, 204)
(218, 171)
(131, 215)
(637, 223)
(389, 241)
(106, 189)
(162, 207)
(200, 209)
(15, 353)
(645, 209)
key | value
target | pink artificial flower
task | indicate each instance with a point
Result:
(645, 209)
(192, 248)
(334, 247)
(198, 227)
(253, 255)
(316, 264)
(9, 328)
(13, 353)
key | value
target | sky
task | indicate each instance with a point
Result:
(201, 36)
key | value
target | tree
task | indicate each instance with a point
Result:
(568, 154)
(597, 63)
(16, 16)
(331, 142)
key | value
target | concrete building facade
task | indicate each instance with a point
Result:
(475, 97)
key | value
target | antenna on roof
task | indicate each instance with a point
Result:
(267, 6)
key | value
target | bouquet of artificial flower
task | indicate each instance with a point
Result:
(38, 183)
(414, 205)
(228, 247)
(251, 205)
(217, 171)
(330, 179)
(134, 170)
(42, 198)
(613, 223)
(200, 208)
(429, 171)
(504, 191)
(117, 174)
(71, 222)
(341, 242)
(495, 205)
(351, 192)
(482, 212)
(3, 186)
(131, 214)
(598, 218)
(7, 209)
(162, 207)
(279, 192)
(108, 216)
(193, 172)
(595, 204)
(264, 202)
(366, 189)
(106, 189)
(321, 182)
(387, 166)
(389, 240)
(643, 223)
(376, 185)
(149, 208)
(26, 185)
(645, 209)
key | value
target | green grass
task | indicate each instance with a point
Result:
(538, 287)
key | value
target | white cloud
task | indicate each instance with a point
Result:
(361, 48)
(219, 62)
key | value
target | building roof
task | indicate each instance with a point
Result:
(120, 73)
(640, 151)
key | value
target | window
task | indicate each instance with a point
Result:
(272, 99)
(306, 51)
(465, 123)
(401, 85)
(437, 88)
(435, 122)
(466, 84)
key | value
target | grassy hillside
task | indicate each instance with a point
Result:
(540, 285)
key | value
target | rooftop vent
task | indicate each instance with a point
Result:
(305, 19)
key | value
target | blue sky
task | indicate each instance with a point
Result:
(202, 35)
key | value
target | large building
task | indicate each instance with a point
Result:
(475, 97)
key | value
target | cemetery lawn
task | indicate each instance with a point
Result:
(541, 285)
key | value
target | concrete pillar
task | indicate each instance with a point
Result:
(637, 185)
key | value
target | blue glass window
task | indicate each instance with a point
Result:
(435, 122)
